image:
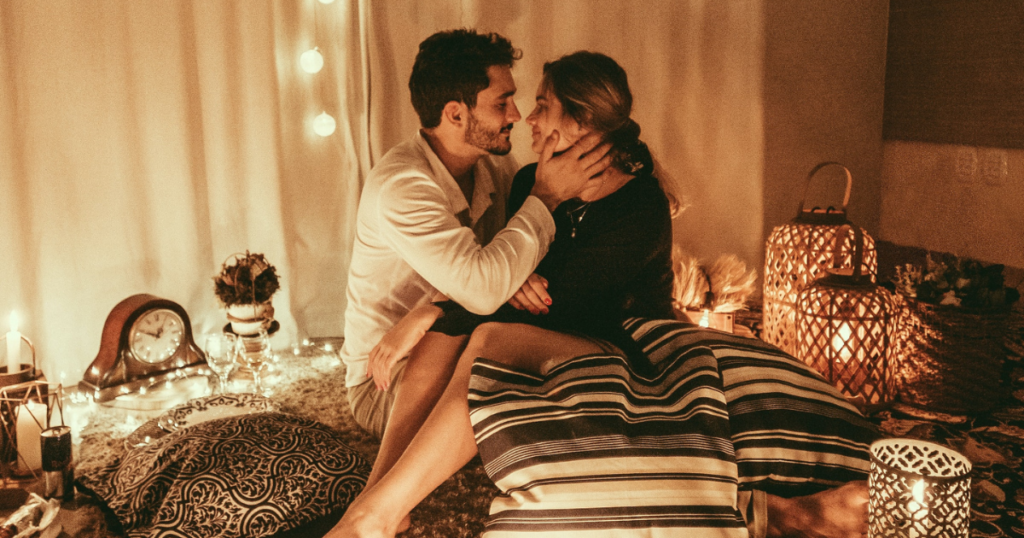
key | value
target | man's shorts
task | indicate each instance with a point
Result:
(371, 407)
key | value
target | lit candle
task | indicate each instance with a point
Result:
(705, 319)
(917, 507)
(840, 340)
(29, 441)
(13, 346)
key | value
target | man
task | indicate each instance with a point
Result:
(432, 213)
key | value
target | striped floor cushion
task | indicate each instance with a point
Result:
(593, 450)
(793, 432)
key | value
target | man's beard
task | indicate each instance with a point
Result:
(493, 142)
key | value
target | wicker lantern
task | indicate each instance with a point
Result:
(845, 324)
(796, 254)
(918, 489)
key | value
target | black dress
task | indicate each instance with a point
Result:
(611, 260)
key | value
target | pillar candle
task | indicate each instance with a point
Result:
(13, 346)
(29, 440)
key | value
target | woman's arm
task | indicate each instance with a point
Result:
(400, 340)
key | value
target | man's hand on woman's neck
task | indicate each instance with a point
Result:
(563, 177)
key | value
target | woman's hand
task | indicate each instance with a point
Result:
(532, 296)
(398, 342)
(834, 513)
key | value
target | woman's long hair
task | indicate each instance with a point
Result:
(594, 91)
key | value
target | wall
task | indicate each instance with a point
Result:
(959, 199)
(823, 100)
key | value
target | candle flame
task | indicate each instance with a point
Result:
(918, 491)
(705, 319)
(840, 340)
(14, 321)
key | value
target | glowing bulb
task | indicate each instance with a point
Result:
(324, 124)
(840, 340)
(705, 319)
(311, 61)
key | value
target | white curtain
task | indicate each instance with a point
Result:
(142, 143)
(695, 68)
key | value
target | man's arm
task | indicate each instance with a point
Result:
(418, 225)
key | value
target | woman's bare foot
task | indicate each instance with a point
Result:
(361, 521)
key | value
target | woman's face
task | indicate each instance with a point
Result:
(547, 116)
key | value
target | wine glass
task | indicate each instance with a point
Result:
(255, 350)
(220, 355)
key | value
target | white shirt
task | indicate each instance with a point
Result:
(412, 242)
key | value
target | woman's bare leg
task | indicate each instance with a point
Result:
(426, 375)
(445, 443)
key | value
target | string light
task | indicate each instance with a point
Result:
(324, 124)
(312, 61)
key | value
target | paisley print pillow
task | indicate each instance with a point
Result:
(248, 475)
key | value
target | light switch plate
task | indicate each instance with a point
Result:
(966, 164)
(993, 166)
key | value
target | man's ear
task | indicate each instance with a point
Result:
(455, 113)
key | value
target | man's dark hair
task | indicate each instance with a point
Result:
(452, 66)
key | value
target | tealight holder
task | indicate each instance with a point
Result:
(26, 410)
(27, 372)
(918, 489)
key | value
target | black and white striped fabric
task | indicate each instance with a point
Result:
(592, 450)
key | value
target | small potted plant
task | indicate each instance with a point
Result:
(954, 316)
(244, 287)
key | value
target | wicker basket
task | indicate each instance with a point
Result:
(951, 357)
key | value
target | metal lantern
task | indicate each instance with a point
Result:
(796, 254)
(845, 324)
(918, 489)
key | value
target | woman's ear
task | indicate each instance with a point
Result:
(455, 113)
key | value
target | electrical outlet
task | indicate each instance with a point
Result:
(993, 166)
(966, 164)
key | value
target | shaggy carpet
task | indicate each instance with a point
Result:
(309, 382)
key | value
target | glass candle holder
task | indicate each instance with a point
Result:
(918, 489)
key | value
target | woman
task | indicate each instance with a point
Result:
(611, 259)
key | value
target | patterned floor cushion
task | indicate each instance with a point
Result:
(593, 450)
(249, 475)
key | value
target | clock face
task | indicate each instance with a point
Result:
(156, 336)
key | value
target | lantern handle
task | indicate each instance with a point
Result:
(858, 248)
(810, 176)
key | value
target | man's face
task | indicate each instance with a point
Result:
(490, 122)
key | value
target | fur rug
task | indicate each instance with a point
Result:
(311, 384)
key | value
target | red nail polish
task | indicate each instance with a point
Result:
(547, 302)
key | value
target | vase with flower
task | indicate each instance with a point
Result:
(244, 287)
